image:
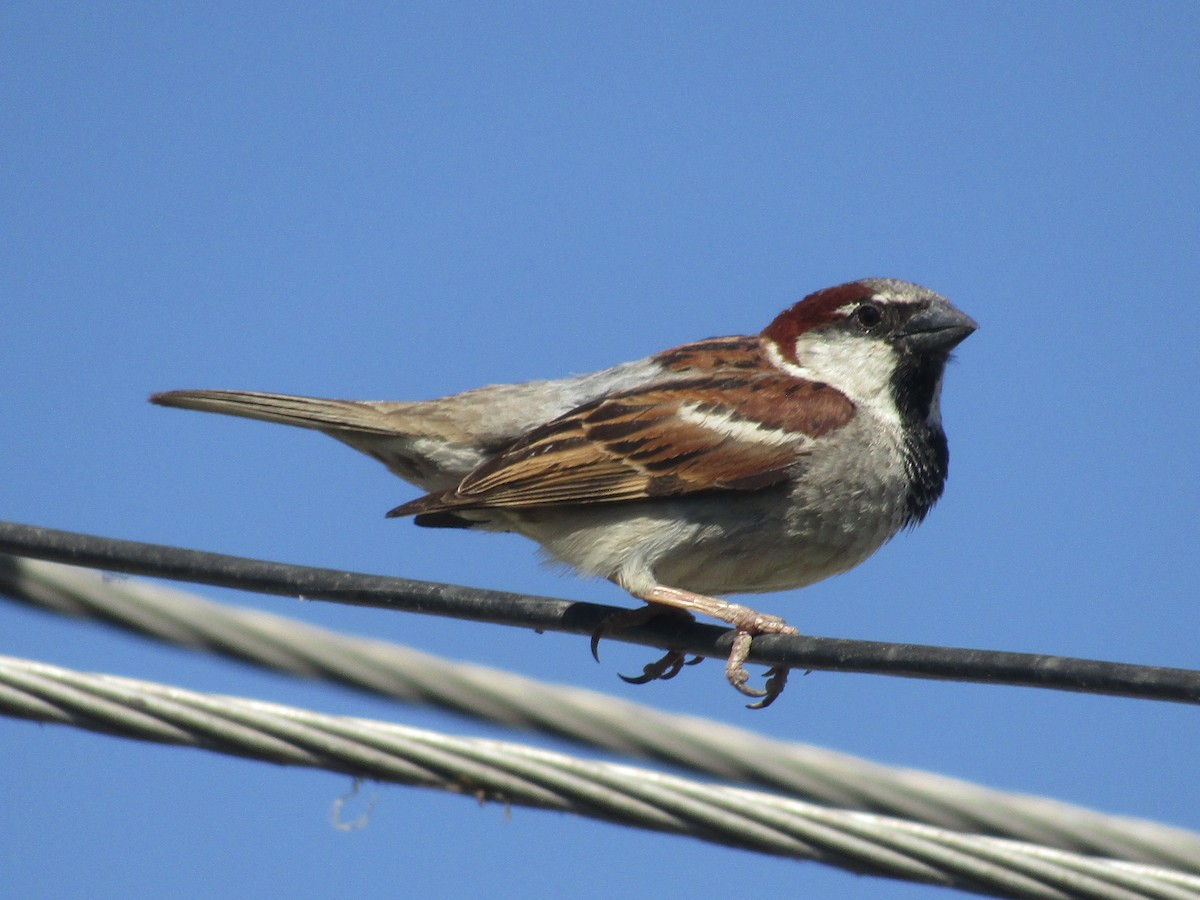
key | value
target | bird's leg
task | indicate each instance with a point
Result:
(746, 622)
(671, 662)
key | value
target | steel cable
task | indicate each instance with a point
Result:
(807, 772)
(515, 774)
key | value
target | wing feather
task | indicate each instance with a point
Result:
(741, 431)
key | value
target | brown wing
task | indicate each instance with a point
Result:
(736, 432)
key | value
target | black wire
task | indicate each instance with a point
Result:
(550, 614)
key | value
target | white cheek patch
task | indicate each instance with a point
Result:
(861, 368)
(738, 429)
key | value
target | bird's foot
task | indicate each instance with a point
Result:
(747, 623)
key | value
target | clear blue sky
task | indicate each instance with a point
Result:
(366, 202)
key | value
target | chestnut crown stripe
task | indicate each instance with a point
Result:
(812, 312)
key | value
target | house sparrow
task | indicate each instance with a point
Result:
(731, 465)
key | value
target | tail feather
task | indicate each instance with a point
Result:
(305, 412)
(422, 442)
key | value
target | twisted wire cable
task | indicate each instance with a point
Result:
(550, 614)
(520, 775)
(810, 773)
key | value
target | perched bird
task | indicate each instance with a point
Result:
(731, 465)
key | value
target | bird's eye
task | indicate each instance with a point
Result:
(868, 314)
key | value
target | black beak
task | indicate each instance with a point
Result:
(941, 327)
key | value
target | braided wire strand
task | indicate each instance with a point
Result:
(520, 775)
(810, 773)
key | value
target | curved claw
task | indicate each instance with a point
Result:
(776, 682)
(632, 617)
(663, 669)
(735, 671)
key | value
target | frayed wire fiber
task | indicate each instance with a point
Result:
(591, 719)
(519, 775)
